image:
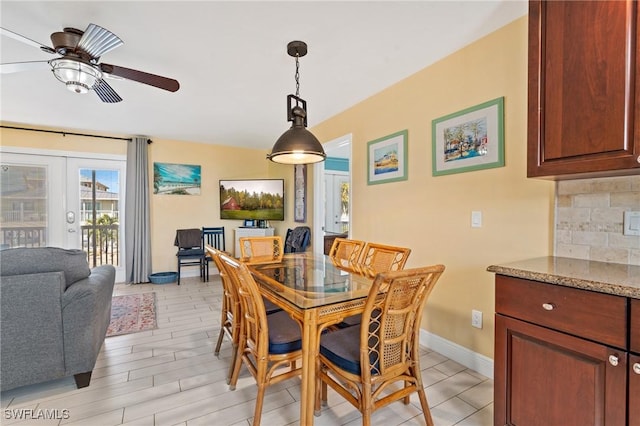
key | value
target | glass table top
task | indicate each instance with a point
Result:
(308, 280)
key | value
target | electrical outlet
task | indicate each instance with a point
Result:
(476, 319)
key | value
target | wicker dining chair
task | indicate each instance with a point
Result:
(345, 253)
(230, 309)
(268, 343)
(261, 249)
(379, 362)
(377, 258)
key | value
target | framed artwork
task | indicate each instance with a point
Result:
(176, 179)
(300, 190)
(387, 158)
(468, 140)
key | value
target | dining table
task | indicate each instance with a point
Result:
(317, 294)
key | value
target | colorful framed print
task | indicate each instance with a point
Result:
(468, 140)
(387, 158)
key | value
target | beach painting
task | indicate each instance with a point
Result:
(387, 158)
(176, 179)
(468, 140)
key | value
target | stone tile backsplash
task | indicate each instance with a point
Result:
(589, 219)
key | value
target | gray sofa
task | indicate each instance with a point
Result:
(54, 311)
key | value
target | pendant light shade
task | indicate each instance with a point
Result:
(297, 145)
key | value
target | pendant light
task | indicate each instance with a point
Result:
(297, 145)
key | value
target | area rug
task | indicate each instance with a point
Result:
(132, 313)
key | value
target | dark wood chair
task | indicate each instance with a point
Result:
(213, 237)
(190, 250)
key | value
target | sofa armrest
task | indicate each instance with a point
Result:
(31, 330)
(86, 312)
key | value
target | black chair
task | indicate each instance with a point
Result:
(297, 239)
(190, 250)
(213, 236)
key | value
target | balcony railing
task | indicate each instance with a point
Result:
(100, 242)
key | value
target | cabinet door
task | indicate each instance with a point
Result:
(634, 390)
(583, 88)
(543, 377)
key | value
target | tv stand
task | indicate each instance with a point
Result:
(249, 232)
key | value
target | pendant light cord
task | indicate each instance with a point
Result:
(297, 77)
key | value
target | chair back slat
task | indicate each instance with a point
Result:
(214, 237)
(378, 258)
(261, 249)
(345, 253)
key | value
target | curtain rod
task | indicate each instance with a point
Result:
(70, 133)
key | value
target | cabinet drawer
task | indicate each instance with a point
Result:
(595, 316)
(635, 326)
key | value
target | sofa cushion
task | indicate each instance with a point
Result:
(19, 261)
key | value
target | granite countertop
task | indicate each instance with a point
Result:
(602, 277)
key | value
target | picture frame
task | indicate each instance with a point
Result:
(387, 158)
(469, 140)
(300, 192)
(176, 179)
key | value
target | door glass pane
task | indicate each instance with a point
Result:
(23, 193)
(99, 215)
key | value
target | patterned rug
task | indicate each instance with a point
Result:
(132, 313)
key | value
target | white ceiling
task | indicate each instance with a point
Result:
(230, 59)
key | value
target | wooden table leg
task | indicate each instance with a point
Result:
(310, 349)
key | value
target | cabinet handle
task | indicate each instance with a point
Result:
(613, 360)
(638, 159)
(636, 368)
(548, 306)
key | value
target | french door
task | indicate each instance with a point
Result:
(65, 201)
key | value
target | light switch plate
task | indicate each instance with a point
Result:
(631, 223)
(476, 219)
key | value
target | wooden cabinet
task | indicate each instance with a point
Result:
(560, 353)
(634, 365)
(583, 84)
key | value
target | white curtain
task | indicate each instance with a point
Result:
(137, 222)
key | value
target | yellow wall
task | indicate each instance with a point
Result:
(432, 215)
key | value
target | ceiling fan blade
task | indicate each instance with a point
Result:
(24, 66)
(26, 40)
(97, 41)
(142, 77)
(106, 92)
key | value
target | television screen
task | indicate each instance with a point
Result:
(261, 199)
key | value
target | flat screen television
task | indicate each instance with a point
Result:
(247, 199)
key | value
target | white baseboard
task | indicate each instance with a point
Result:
(473, 360)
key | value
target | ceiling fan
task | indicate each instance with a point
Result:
(78, 66)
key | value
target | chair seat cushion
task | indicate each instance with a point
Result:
(342, 347)
(270, 307)
(190, 253)
(351, 321)
(284, 333)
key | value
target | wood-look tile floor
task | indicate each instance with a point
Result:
(169, 376)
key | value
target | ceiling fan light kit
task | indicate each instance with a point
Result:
(78, 66)
(76, 75)
(297, 145)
